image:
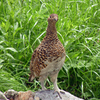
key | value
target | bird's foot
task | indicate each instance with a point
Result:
(44, 88)
(59, 92)
(62, 91)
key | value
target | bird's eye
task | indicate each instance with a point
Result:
(50, 16)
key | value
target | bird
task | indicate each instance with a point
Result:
(48, 58)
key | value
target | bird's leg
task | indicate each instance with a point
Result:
(42, 80)
(54, 80)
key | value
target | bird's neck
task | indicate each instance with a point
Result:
(51, 31)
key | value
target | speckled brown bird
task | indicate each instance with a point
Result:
(48, 58)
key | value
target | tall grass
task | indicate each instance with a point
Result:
(23, 25)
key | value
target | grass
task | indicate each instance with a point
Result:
(23, 25)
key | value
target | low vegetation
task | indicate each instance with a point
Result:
(23, 25)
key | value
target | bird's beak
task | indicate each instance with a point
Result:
(55, 18)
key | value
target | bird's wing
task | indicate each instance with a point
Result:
(33, 60)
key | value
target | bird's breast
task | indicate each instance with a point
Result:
(53, 65)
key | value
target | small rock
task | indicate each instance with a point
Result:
(2, 96)
(10, 94)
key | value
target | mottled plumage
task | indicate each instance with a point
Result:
(48, 58)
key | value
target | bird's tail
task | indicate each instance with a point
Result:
(31, 78)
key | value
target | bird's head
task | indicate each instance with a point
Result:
(53, 18)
